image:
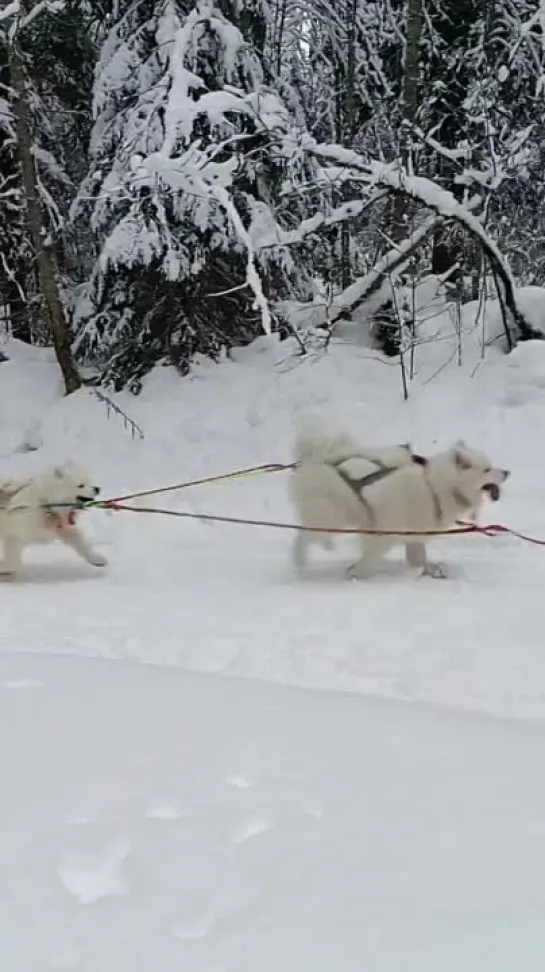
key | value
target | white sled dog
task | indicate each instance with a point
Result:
(341, 485)
(38, 510)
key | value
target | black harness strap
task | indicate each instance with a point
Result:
(437, 508)
(358, 485)
(374, 477)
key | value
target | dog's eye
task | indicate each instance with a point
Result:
(487, 470)
(82, 486)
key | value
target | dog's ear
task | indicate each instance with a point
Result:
(460, 459)
(419, 460)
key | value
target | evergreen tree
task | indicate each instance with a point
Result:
(185, 181)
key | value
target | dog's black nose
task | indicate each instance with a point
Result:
(97, 490)
(506, 473)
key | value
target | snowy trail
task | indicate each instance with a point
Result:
(225, 600)
(152, 818)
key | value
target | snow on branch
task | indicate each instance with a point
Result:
(380, 274)
(10, 10)
(490, 176)
(397, 180)
(339, 214)
(191, 191)
(17, 18)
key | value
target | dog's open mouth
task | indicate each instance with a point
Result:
(493, 491)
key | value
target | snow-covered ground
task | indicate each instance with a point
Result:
(158, 820)
(163, 814)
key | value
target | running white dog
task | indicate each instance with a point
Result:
(340, 485)
(43, 509)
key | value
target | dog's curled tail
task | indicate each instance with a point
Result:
(315, 444)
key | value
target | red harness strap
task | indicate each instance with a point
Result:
(63, 520)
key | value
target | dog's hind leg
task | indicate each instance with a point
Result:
(13, 558)
(301, 544)
(415, 553)
(303, 541)
(374, 549)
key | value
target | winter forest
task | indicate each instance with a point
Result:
(180, 177)
(272, 485)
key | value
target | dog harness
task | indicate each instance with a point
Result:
(60, 521)
(358, 485)
(437, 508)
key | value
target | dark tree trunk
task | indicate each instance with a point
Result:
(45, 265)
(452, 20)
(401, 207)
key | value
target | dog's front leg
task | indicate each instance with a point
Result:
(374, 549)
(13, 558)
(77, 542)
(415, 553)
(300, 549)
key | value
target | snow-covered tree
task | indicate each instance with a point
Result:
(345, 64)
(45, 50)
(508, 129)
(185, 178)
(15, 252)
(482, 71)
(182, 127)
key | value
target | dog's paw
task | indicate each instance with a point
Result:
(98, 560)
(435, 569)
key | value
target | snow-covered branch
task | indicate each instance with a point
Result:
(441, 201)
(17, 18)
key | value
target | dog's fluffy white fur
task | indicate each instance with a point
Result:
(339, 485)
(37, 510)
